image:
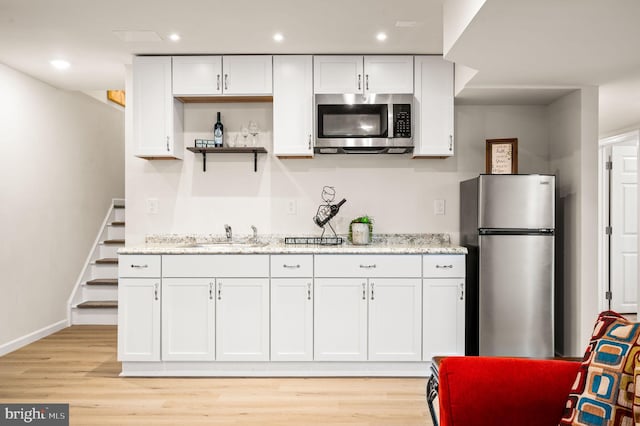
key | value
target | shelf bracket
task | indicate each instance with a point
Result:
(204, 161)
(255, 161)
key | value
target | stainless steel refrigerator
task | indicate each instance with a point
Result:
(508, 224)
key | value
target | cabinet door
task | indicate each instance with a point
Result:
(395, 319)
(247, 75)
(242, 319)
(433, 107)
(188, 319)
(292, 105)
(340, 319)
(291, 319)
(443, 317)
(154, 110)
(197, 75)
(338, 74)
(388, 74)
(139, 319)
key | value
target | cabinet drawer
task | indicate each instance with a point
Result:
(367, 265)
(222, 265)
(138, 265)
(443, 265)
(291, 265)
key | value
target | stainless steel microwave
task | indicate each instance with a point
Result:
(363, 124)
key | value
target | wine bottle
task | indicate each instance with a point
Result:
(218, 132)
(325, 215)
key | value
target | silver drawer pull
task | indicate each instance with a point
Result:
(368, 266)
(139, 266)
(291, 266)
(444, 266)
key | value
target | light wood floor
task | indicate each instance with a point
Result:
(78, 366)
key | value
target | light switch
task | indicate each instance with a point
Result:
(439, 207)
(292, 208)
(152, 205)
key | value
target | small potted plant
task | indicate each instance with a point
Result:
(361, 230)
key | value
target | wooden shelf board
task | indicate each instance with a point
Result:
(222, 99)
(229, 150)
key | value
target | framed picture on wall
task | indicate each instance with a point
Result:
(502, 156)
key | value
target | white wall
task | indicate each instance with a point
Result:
(396, 190)
(61, 164)
(456, 15)
(574, 148)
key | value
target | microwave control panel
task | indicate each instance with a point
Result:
(401, 120)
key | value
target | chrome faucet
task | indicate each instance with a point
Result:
(255, 233)
(227, 229)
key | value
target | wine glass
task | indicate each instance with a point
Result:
(254, 130)
(245, 134)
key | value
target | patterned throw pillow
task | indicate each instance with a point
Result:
(603, 392)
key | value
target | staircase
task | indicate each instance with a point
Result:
(95, 296)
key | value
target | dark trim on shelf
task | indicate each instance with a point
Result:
(255, 150)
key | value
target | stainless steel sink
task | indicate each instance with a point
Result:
(222, 244)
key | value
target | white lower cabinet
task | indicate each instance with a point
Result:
(340, 325)
(291, 319)
(139, 319)
(395, 319)
(188, 319)
(242, 319)
(444, 306)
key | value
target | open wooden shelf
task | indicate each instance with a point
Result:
(255, 150)
(222, 99)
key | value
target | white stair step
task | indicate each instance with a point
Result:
(115, 232)
(103, 316)
(102, 270)
(99, 292)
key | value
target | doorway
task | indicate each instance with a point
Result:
(619, 222)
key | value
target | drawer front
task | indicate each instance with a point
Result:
(443, 265)
(139, 265)
(216, 265)
(291, 265)
(368, 265)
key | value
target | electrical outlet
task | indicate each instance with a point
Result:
(439, 207)
(152, 205)
(292, 207)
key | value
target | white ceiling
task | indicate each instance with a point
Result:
(524, 51)
(82, 31)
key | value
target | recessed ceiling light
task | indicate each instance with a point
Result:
(60, 64)
(174, 37)
(381, 36)
(278, 37)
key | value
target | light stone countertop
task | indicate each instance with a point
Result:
(274, 244)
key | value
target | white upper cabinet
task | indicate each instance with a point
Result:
(157, 117)
(292, 105)
(363, 74)
(197, 75)
(242, 75)
(433, 107)
(337, 74)
(247, 75)
(388, 74)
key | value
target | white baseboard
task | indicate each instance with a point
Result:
(32, 337)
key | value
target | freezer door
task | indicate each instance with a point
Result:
(516, 201)
(516, 295)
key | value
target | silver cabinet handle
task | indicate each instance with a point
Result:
(309, 141)
(444, 266)
(218, 82)
(308, 291)
(139, 266)
(359, 81)
(226, 81)
(366, 81)
(368, 266)
(364, 291)
(167, 143)
(155, 291)
(461, 291)
(372, 291)
(290, 266)
(450, 142)
(219, 291)
(210, 291)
